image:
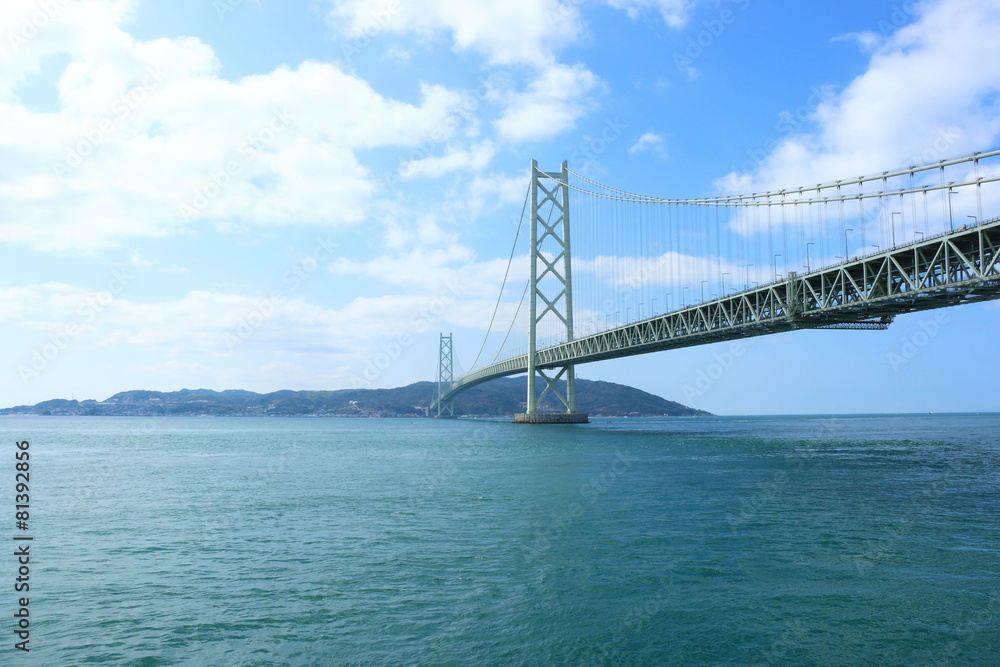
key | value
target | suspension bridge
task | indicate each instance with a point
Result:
(643, 274)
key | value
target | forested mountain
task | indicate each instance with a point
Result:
(498, 398)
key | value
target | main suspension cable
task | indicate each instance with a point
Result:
(510, 260)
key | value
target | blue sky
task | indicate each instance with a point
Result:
(267, 195)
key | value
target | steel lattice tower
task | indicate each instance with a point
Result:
(551, 280)
(446, 374)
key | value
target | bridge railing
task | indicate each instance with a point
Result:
(888, 207)
(960, 266)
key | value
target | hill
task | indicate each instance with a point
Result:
(499, 398)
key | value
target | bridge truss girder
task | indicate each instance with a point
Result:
(957, 267)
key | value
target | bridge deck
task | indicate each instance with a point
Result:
(956, 267)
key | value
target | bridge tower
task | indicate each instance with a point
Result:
(551, 285)
(446, 376)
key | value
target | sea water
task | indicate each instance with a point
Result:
(742, 541)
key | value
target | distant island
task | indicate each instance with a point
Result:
(499, 398)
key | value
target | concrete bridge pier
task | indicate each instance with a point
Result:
(551, 418)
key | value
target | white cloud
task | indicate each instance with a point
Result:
(188, 341)
(174, 368)
(419, 268)
(437, 270)
(282, 368)
(17, 304)
(671, 269)
(146, 139)
(502, 188)
(135, 259)
(32, 31)
(202, 324)
(404, 231)
(674, 12)
(515, 32)
(927, 94)
(507, 33)
(552, 104)
(651, 142)
(473, 159)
